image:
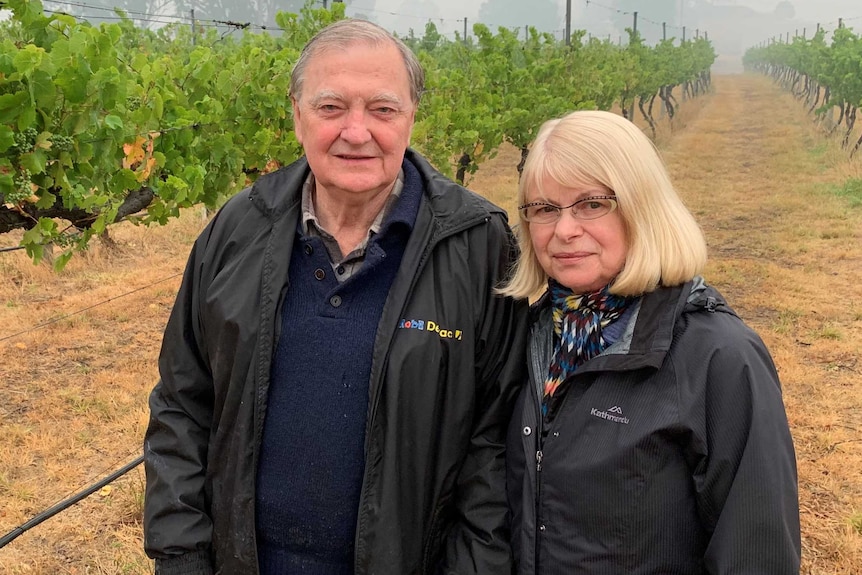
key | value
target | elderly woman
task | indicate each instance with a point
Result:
(651, 437)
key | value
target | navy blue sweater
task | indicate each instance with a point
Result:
(312, 456)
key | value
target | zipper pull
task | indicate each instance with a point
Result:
(538, 461)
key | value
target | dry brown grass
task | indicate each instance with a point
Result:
(73, 400)
(787, 253)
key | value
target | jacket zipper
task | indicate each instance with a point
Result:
(375, 385)
(539, 456)
(429, 248)
(537, 382)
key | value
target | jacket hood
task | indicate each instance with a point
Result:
(274, 193)
(657, 312)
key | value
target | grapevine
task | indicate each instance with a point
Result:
(822, 75)
(102, 124)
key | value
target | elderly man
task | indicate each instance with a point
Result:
(337, 373)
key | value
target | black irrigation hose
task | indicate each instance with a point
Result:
(63, 505)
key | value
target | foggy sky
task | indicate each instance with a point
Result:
(448, 15)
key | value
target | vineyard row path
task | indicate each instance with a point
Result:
(788, 256)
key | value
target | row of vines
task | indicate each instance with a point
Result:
(111, 123)
(822, 75)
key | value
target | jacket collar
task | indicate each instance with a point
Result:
(648, 336)
(277, 192)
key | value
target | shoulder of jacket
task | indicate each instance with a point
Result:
(706, 298)
(269, 197)
(236, 206)
(451, 203)
(231, 216)
(709, 318)
(275, 192)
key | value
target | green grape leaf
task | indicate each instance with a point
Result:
(46, 200)
(25, 10)
(123, 181)
(7, 138)
(34, 161)
(7, 184)
(114, 122)
(7, 63)
(11, 106)
(28, 59)
(61, 260)
(73, 82)
(43, 141)
(27, 117)
(43, 89)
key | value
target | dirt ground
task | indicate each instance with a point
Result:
(774, 197)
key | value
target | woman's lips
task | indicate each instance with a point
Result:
(571, 256)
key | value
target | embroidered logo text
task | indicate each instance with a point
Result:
(432, 326)
(614, 414)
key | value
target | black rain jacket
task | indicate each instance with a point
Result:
(440, 396)
(669, 453)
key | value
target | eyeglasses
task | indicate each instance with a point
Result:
(584, 209)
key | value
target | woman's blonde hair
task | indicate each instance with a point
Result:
(594, 148)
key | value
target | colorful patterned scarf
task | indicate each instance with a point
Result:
(578, 323)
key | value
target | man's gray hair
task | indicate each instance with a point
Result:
(343, 34)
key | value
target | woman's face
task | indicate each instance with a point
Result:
(583, 255)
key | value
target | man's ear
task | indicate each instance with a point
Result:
(412, 122)
(297, 130)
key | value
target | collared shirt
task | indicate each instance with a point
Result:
(343, 265)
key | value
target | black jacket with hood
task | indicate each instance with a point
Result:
(440, 395)
(668, 454)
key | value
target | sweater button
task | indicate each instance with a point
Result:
(340, 270)
(335, 300)
(319, 274)
(308, 249)
(527, 430)
(541, 527)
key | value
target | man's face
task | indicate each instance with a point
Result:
(354, 117)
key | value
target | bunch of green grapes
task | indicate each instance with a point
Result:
(62, 143)
(24, 141)
(22, 190)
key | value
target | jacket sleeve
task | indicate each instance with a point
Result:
(177, 527)
(747, 484)
(479, 542)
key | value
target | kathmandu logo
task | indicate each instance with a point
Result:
(423, 325)
(614, 414)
